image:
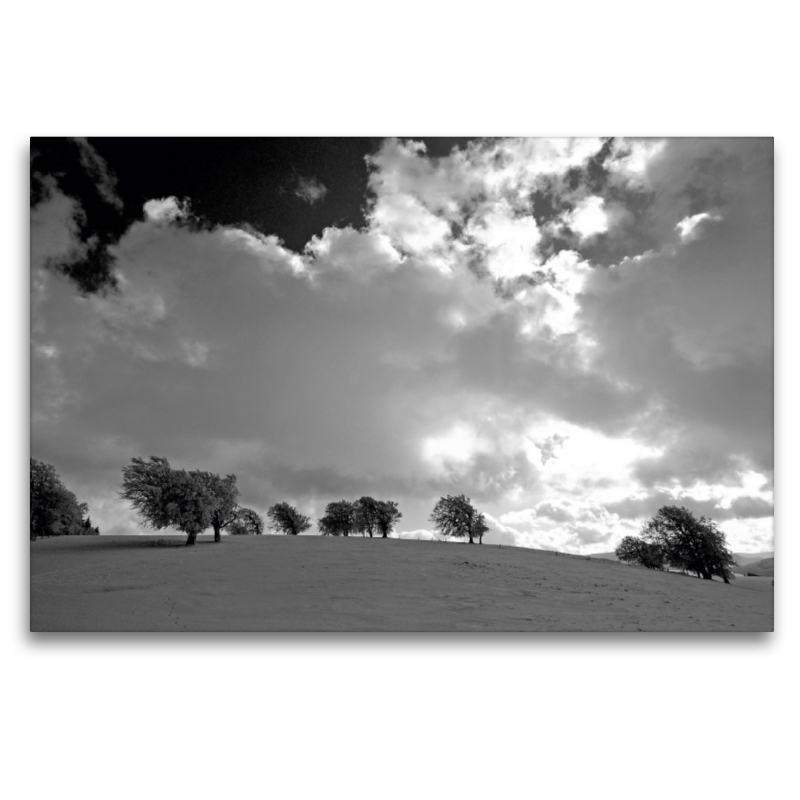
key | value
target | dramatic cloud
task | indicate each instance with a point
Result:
(572, 333)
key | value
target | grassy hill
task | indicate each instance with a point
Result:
(278, 583)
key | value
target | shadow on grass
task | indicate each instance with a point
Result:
(86, 544)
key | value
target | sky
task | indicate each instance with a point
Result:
(573, 333)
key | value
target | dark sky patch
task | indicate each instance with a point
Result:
(74, 169)
(548, 201)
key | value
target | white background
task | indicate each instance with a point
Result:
(380, 716)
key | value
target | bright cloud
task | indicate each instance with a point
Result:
(455, 447)
(689, 226)
(168, 209)
(589, 218)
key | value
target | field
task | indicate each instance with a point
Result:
(306, 583)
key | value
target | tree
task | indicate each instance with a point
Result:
(387, 517)
(175, 498)
(251, 521)
(54, 510)
(696, 545)
(339, 519)
(366, 515)
(166, 497)
(222, 499)
(326, 527)
(238, 528)
(479, 527)
(89, 529)
(288, 520)
(634, 550)
(456, 516)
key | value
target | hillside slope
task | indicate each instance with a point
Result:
(275, 583)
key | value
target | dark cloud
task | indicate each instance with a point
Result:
(646, 507)
(751, 508)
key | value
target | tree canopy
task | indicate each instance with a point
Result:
(634, 550)
(479, 527)
(676, 537)
(339, 519)
(457, 517)
(366, 516)
(287, 519)
(54, 509)
(222, 498)
(174, 498)
(387, 516)
(251, 521)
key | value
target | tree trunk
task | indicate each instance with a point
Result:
(191, 539)
(470, 539)
(384, 535)
(217, 532)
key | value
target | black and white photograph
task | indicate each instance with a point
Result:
(401, 384)
(401, 400)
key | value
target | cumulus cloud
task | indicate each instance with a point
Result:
(421, 534)
(451, 345)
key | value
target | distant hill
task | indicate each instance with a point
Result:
(743, 559)
(765, 568)
(757, 563)
(606, 556)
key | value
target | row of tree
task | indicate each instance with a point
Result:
(366, 516)
(676, 538)
(55, 510)
(193, 501)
